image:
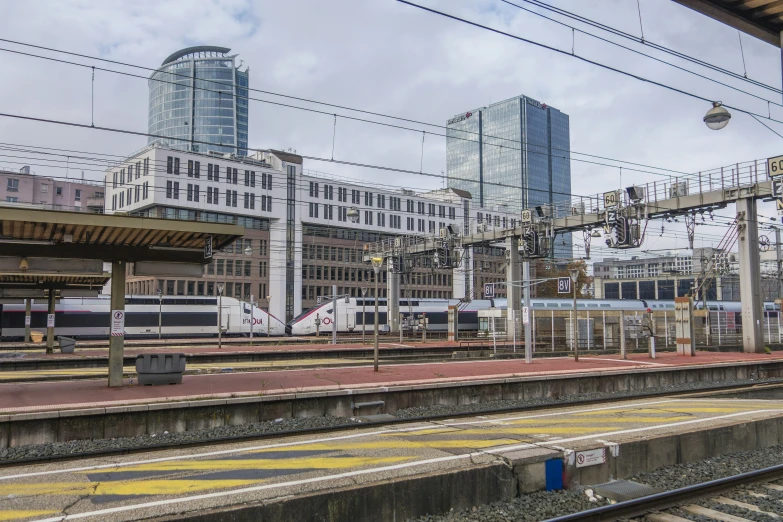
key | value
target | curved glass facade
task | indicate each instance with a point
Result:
(196, 98)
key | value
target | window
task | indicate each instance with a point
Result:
(146, 191)
(44, 188)
(381, 201)
(169, 165)
(212, 195)
(12, 199)
(250, 200)
(230, 267)
(328, 211)
(138, 169)
(136, 194)
(234, 176)
(122, 199)
(114, 202)
(146, 166)
(269, 203)
(114, 180)
(13, 185)
(176, 166)
(220, 263)
(313, 189)
(367, 217)
(197, 169)
(130, 172)
(209, 172)
(247, 269)
(368, 199)
(313, 210)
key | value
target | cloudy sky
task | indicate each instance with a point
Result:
(387, 57)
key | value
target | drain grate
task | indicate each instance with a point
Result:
(621, 490)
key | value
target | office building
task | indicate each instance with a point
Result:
(298, 239)
(198, 95)
(26, 189)
(512, 155)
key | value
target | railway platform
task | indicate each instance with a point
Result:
(384, 473)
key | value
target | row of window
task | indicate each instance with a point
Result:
(311, 293)
(13, 186)
(339, 273)
(230, 289)
(213, 196)
(213, 173)
(120, 178)
(130, 195)
(498, 220)
(370, 200)
(237, 267)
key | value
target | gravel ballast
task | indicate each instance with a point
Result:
(417, 412)
(549, 504)
(57, 449)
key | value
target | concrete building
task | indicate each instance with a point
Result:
(198, 94)
(299, 240)
(25, 188)
(514, 155)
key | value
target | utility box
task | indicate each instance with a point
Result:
(683, 321)
(160, 368)
(67, 344)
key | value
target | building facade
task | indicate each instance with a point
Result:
(198, 95)
(512, 155)
(299, 241)
(25, 188)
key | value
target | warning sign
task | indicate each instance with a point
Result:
(27, 320)
(590, 457)
(525, 315)
(50, 320)
(117, 323)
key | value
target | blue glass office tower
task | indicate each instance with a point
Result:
(512, 155)
(199, 95)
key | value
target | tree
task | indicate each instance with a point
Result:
(551, 270)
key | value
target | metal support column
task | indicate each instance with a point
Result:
(779, 257)
(512, 287)
(528, 326)
(623, 349)
(750, 276)
(50, 329)
(28, 305)
(117, 342)
(392, 299)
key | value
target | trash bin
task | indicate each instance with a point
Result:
(36, 336)
(160, 368)
(67, 344)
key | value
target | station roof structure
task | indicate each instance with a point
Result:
(84, 235)
(760, 18)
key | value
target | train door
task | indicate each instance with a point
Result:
(225, 318)
(350, 319)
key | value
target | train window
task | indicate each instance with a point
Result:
(538, 305)
(590, 305)
(606, 306)
(552, 305)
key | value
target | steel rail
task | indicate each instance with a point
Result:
(368, 424)
(668, 499)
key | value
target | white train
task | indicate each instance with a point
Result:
(179, 316)
(351, 318)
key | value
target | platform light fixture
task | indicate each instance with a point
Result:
(717, 117)
(376, 266)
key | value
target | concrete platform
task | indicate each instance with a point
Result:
(394, 473)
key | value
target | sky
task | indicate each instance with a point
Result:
(387, 57)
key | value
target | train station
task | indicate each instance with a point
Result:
(445, 289)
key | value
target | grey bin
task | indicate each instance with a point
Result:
(67, 344)
(160, 368)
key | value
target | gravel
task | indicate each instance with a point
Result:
(95, 445)
(481, 406)
(548, 504)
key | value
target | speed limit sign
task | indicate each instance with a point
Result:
(775, 166)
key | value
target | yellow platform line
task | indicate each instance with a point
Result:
(397, 444)
(121, 487)
(17, 514)
(608, 418)
(669, 409)
(297, 463)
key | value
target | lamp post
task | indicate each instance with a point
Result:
(574, 273)
(268, 317)
(364, 304)
(376, 266)
(160, 312)
(220, 315)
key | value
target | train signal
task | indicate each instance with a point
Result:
(443, 259)
(530, 243)
(623, 231)
(563, 285)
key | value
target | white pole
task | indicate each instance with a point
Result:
(334, 310)
(666, 327)
(251, 318)
(719, 336)
(589, 330)
(638, 325)
(603, 325)
(769, 333)
(553, 329)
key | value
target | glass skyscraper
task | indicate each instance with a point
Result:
(199, 95)
(512, 155)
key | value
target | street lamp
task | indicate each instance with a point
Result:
(268, 317)
(220, 315)
(574, 273)
(160, 311)
(364, 316)
(248, 250)
(353, 215)
(717, 117)
(376, 266)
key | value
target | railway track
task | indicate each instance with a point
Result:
(373, 423)
(725, 497)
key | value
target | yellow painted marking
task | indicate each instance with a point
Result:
(297, 463)
(398, 444)
(668, 409)
(532, 430)
(121, 487)
(16, 514)
(601, 419)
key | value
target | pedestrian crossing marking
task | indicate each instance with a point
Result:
(18, 514)
(120, 487)
(237, 464)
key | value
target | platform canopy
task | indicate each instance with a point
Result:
(83, 235)
(760, 18)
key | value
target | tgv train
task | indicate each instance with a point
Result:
(351, 318)
(178, 316)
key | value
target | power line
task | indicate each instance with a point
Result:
(583, 59)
